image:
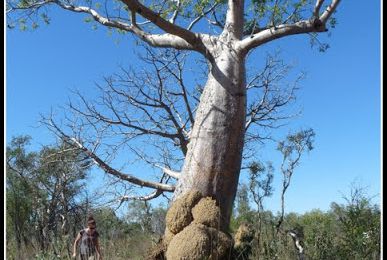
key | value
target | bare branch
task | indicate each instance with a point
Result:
(279, 31)
(178, 75)
(98, 161)
(150, 196)
(329, 11)
(176, 12)
(167, 40)
(127, 122)
(273, 94)
(316, 11)
(190, 37)
(203, 14)
(169, 172)
(140, 104)
(216, 21)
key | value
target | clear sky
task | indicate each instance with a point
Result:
(340, 96)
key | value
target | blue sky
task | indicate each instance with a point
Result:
(340, 97)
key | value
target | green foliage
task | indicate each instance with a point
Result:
(150, 220)
(45, 18)
(274, 12)
(40, 191)
(314, 41)
(359, 225)
(319, 234)
(333, 22)
(110, 226)
(25, 3)
(88, 19)
(200, 6)
(296, 143)
(243, 213)
(347, 231)
(259, 14)
(260, 182)
(19, 201)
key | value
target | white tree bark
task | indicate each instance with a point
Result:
(213, 160)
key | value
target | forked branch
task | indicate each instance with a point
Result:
(305, 26)
(104, 166)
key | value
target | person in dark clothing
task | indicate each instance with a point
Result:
(89, 244)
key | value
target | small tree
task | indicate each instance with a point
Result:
(320, 234)
(244, 212)
(292, 149)
(19, 201)
(260, 186)
(47, 184)
(359, 226)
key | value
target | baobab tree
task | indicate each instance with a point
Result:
(213, 146)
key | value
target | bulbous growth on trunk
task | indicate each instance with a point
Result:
(198, 238)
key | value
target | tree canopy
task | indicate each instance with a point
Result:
(175, 23)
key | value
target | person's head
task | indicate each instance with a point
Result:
(91, 224)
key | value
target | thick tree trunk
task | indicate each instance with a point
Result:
(213, 160)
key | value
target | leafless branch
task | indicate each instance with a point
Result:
(169, 172)
(203, 14)
(191, 38)
(176, 12)
(316, 11)
(98, 161)
(270, 94)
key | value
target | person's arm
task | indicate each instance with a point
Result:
(76, 244)
(98, 248)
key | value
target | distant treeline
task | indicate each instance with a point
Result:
(46, 205)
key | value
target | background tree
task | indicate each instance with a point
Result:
(260, 187)
(292, 149)
(359, 225)
(349, 230)
(214, 150)
(44, 194)
(320, 237)
(19, 201)
(244, 212)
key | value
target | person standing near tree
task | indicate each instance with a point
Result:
(89, 244)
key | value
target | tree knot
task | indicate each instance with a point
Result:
(318, 25)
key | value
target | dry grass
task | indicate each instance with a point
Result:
(129, 248)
